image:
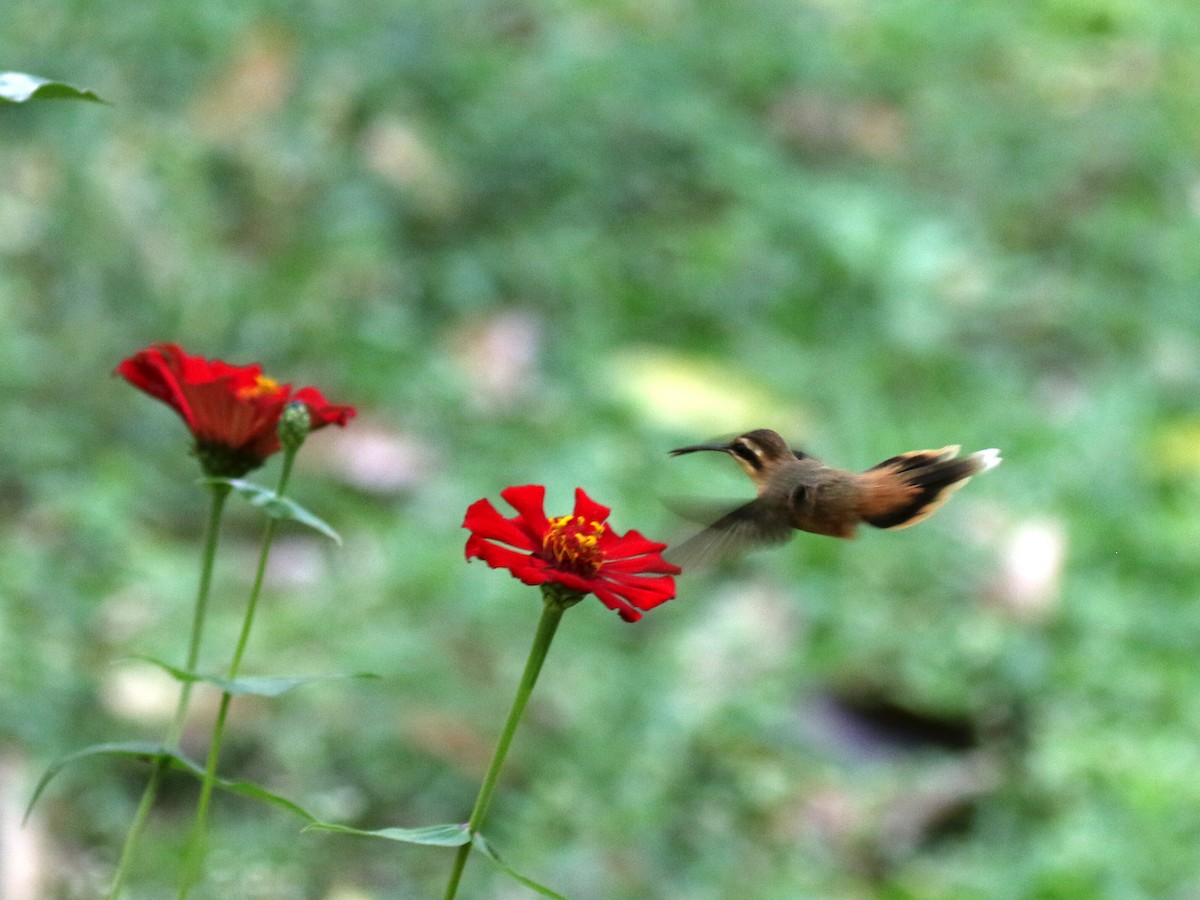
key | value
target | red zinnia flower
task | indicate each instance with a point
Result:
(232, 411)
(580, 551)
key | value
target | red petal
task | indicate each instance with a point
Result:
(156, 370)
(649, 563)
(588, 508)
(630, 544)
(645, 592)
(528, 568)
(529, 501)
(612, 601)
(222, 417)
(483, 520)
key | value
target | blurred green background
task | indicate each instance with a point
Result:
(547, 242)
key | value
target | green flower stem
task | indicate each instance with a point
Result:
(193, 861)
(555, 605)
(220, 492)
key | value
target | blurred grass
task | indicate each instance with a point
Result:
(546, 243)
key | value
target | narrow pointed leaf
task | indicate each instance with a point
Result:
(275, 506)
(137, 749)
(253, 685)
(17, 87)
(453, 835)
(244, 788)
(274, 685)
(149, 751)
(480, 843)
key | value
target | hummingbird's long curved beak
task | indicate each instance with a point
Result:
(679, 451)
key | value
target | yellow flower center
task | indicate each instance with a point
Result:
(574, 543)
(262, 387)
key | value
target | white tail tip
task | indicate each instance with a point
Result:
(988, 459)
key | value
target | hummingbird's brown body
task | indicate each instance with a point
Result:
(796, 491)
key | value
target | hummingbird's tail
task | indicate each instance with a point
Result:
(905, 489)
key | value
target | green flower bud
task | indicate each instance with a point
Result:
(294, 425)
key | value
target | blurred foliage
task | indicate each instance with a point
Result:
(20, 87)
(546, 242)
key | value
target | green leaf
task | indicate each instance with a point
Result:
(453, 835)
(256, 686)
(149, 751)
(17, 87)
(480, 843)
(139, 749)
(273, 685)
(275, 506)
(244, 788)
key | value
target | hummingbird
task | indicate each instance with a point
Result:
(799, 492)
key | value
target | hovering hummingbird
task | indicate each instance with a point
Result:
(797, 491)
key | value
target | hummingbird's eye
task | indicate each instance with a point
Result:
(799, 495)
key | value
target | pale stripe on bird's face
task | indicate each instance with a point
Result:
(748, 454)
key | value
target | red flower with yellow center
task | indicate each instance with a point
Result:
(580, 552)
(232, 411)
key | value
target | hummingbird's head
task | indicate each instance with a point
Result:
(756, 451)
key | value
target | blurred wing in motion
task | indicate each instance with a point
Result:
(732, 532)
